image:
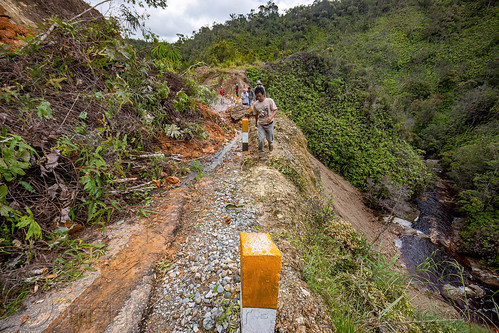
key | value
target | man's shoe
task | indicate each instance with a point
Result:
(271, 147)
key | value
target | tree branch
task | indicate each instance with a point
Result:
(89, 9)
(44, 35)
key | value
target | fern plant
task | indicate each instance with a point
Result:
(169, 52)
(15, 156)
(173, 131)
(14, 159)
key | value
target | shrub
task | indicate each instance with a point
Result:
(347, 128)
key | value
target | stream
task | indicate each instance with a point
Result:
(427, 251)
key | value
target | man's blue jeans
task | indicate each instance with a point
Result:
(265, 131)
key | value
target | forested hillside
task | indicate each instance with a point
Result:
(378, 86)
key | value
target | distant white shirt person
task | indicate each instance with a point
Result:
(244, 97)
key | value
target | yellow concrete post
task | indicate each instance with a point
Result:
(260, 267)
(245, 135)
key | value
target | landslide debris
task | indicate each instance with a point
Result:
(18, 20)
(10, 32)
(237, 112)
(214, 78)
(87, 129)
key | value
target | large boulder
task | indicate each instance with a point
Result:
(237, 112)
(462, 293)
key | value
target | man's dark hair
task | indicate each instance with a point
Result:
(259, 90)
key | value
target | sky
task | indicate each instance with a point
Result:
(186, 16)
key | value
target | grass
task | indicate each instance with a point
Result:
(292, 172)
(163, 266)
(74, 260)
(361, 288)
(434, 323)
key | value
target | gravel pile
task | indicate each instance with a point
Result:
(201, 290)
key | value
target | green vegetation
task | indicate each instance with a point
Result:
(373, 85)
(363, 292)
(78, 108)
(449, 272)
(345, 128)
(288, 169)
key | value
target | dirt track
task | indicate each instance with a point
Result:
(113, 297)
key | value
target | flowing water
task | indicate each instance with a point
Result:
(426, 246)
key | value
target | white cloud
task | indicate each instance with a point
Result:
(186, 16)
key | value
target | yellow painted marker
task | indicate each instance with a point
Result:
(260, 267)
(245, 126)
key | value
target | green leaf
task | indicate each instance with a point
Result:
(34, 229)
(83, 115)
(56, 83)
(23, 222)
(5, 210)
(44, 111)
(25, 156)
(100, 130)
(90, 268)
(8, 176)
(27, 186)
(389, 307)
(99, 96)
(16, 169)
(3, 191)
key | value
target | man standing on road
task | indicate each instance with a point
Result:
(237, 90)
(222, 93)
(251, 96)
(259, 84)
(264, 111)
(244, 97)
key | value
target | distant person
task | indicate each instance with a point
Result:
(244, 97)
(259, 84)
(264, 111)
(237, 90)
(222, 94)
(251, 96)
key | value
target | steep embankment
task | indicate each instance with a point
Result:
(30, 14)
